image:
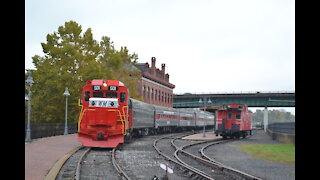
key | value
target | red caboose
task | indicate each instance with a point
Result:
(103, 117)
(233, 120)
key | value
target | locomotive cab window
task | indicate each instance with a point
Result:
(97, 94)
(122, 97)
(86, 95)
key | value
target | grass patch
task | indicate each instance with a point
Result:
(282, 153)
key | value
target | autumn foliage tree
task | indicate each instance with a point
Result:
(71, 58)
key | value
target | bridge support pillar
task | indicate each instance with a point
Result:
(265, 118)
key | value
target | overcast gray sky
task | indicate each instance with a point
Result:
(207, 45)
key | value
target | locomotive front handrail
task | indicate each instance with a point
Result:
(79, 120)
(121, 120)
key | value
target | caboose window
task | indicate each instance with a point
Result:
(86, 95)
(229, 115)
(122, 97)
(111, 95)
(238, 116)
(97, 94)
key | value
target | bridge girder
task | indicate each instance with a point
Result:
(285, 99)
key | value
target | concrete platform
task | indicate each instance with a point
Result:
(199, 137)
(42, 154)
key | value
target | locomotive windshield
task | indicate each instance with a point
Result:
(86, 95)
(97, 94)
(100, 94)
(111, 95)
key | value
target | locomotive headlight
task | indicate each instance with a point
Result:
(105, 84)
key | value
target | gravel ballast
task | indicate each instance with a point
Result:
(140, 160)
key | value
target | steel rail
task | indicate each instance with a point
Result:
(77, 175)
(209, 161)
(200, 172)
(190, 168)
(205, 161)
(116, 165)
(197, 171)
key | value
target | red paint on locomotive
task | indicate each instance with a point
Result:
(233, 120)
(103, 117)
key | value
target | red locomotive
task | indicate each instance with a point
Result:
(108, 116)
(103, 119)
(233, 120)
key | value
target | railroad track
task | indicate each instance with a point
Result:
(117, 167)
(201, 166)
(171, 157)
(93, 163)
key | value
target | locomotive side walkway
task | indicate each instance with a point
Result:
(42, 154)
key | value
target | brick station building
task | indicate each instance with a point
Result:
(154, 85)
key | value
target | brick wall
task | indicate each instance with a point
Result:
(154, 85)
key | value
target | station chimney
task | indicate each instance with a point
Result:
(153, 65)
(163, 68)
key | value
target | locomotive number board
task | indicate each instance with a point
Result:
(95, 88)
(110, 88)
(113, 88)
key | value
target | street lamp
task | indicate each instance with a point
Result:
(29, 81)
(66, 93)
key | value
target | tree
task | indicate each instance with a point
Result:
(71, 58)
(273, 116)
(119, 65)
